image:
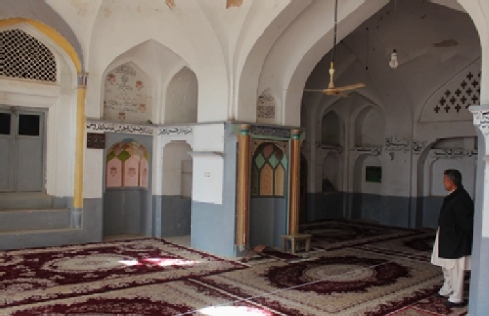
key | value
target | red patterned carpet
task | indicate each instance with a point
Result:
(369, 270)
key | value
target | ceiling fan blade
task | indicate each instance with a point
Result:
(314, 90)
(351, 87)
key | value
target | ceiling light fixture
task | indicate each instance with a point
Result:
(393, 63)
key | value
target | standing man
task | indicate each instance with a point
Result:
(453, 243)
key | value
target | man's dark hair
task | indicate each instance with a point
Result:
(455, 176)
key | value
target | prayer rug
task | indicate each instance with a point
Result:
(429, 307)
(418, 247)
(339, 282)
(36, 275)
(335, 234)
(174, 298)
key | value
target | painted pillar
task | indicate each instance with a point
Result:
(79, 151)
(295, 159)
(479, 287)
(243, 187)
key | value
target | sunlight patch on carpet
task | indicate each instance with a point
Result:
(234, 310)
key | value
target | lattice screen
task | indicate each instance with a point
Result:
(465, 95)
(23, 56)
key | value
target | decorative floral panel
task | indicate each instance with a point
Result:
(127, 97)
(127, 165)
(114, 173)
(144, 173)
(265, 107)
(131, 172)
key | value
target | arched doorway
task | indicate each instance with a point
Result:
(268, 207)
(176, 204)
(127, 196)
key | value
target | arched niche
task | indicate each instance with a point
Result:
(331, 129)
(367, 178)
(127, 95)
(268, 171)
(266, 107)
(182, 98)
(177, 169)
(331, 180)
(369, 128)
(452, 153)
(367, 175)
(127, 165)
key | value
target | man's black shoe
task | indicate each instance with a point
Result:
(451, 304)
(440, 296)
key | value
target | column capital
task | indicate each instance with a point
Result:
(296, 133)
(245, 129)
(481, 117)
(82, 80)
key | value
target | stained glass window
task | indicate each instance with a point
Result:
(268, 171)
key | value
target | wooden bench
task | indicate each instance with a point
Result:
(295, 241)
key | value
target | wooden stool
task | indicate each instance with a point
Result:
(295, 241)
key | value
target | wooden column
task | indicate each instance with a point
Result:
(243, 187)
(80, 140)
(295, 159)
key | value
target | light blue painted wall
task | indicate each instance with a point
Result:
(91, 231)
(268, 221)
(213, 225)
(175, 216)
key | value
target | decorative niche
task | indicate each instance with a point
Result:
(127, 96)
(127, 165)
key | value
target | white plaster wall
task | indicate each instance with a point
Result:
(267, 20)
(173, 154)
(94, 177)
(466, 166)
(182, 98)
(332, 170)
(294, 56)
(187, 33)
(209, 138)
(207, 178)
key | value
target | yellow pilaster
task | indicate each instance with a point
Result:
(243, 186)
(80, 140)
(295, 159)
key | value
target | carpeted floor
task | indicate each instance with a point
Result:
(366, 270)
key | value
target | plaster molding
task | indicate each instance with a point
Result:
(175, 130)
(270, 131)
(367, 150)
(206, 154)
(98, 126)
(331, 149)
(452, 153)
(397, 144)
(418, 146)
(481, 118)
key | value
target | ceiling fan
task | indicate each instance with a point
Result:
(332, 89)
